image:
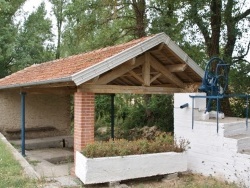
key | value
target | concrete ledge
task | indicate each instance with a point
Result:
(47, 142)
(112, 169)
(32, 129)
(28, 170)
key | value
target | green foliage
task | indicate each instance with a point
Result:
(164, 19)
(94, 24)
(162, 110)
(8, 32)
(32, 44)
(158, 111)
(239, 84)
(122, 147)
(132, 111)
(102, 111)
(59, 7)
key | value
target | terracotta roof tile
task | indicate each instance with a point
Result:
(65, 67)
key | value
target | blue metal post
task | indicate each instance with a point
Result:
(217, 115)
(247, 107)
(112, 116)
(23, 122)
(192, 112)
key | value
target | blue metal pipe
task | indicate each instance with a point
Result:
(23, 122)
(217, 115)
(112, 117)
(218, 97)
(247, 108)
(184, 105)
(193, 113)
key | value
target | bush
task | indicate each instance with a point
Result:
(122, 147)
(134, 111)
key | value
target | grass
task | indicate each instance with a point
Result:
(11, 172)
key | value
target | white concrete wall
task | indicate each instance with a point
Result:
(109, 169)
(41, 111)
(212, 153)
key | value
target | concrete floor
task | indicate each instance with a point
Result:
(51, 160)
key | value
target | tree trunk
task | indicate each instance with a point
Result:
(139, 7)
(213, 47)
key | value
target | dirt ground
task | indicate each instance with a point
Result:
(187, 180)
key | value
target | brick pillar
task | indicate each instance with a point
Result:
(84, 119)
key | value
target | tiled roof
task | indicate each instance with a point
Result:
(62, 69)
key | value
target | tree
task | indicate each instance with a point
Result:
(205, 29)
(240, 72)
(221, 24)
(164, 16)
(8, 32)
(33, 41)
(58, 8)
(95, 23)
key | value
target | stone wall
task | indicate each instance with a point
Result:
(223, 154)
(46, 115)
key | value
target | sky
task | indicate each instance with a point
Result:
(31, 5)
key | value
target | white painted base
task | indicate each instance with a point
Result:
(212, 114)
(221, 154)
(108, 169)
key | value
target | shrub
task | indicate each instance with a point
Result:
(122, 147)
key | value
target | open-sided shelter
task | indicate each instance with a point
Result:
(39, 95)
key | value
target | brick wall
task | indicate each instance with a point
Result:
(41, 111)
(84, 119)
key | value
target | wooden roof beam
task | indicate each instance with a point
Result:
(155, 77)
(177, 67)
(120, 70)
(128, 89)
(165, 72)
(146, 70)
(159, 48)
(136, 76)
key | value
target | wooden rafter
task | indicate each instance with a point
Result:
(155, 77)
(159, 48)
(185, 76)
(95, 79)
(177, 67)
(119, 71)
(126, 81)
(161, 53)
(165, 72)
(136, 76)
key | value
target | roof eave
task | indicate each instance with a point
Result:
(59, 80)
(116, 60)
